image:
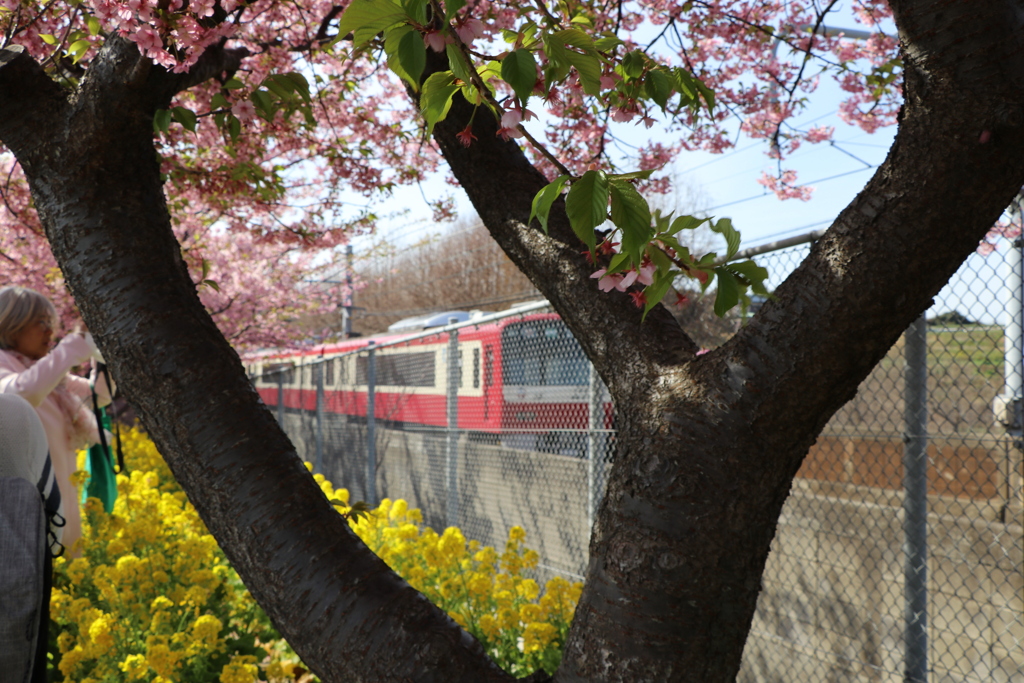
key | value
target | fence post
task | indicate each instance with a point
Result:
(280, 398)
(451, 463)
(371, 425)
(1013, 341)
(915, 503)
(595, 421)
(319, 370)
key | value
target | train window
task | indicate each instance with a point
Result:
(329, 372)
(399, 369)
(476, 368)
(542, 353)
(279, 372)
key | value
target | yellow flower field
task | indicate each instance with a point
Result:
(153, 598)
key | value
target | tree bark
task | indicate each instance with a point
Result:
(96, 183)
(708, 446)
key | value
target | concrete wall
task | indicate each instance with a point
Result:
(831, 607)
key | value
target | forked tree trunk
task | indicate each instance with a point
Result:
(707, 446)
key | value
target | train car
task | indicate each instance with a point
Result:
(521, 381)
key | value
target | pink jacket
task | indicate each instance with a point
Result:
(64, 404)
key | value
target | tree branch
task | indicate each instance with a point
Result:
(501, 183)
(31, 104)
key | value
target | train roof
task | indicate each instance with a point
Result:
(394, 335)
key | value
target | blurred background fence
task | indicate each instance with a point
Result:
(898, 557)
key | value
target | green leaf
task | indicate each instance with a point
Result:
(412, 55)
(233, 84)
(685, 223)
(218, 101)
(416, 10)
(453, 6)
(576, 38)
(48, 38)
(234, 126)
(281, 87)
(752, 273)
(619, 262)
(554, 47)
(78, 48)
(633, 63)
(543, 200)
(436, 98)
(519, 70)
(658, 86)
(392, 39)
(732, 236)
(587, 205)
(162, 120)
(632, 215)
(656, 292)
(300, 83)
(728, 294)
(456, 62)
(686, 85)
(264, 103)
(589, 68)
(607, 42)
(94, 25)
(659, 258)
(707, 93)
(366, 18)
(186, 117)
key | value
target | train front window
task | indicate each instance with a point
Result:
(542, 353)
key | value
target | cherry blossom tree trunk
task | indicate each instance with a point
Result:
(96, 182)
(708, 446)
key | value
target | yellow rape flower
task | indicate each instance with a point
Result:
(64, 641)
(537, 636)
(133, 665)
(241, 669)
(100, 633)
(206, 631)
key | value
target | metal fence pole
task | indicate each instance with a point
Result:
(451, 464)
(915, 503)
(280, 398)
(595, 421)
(319, 370)
(371, 425)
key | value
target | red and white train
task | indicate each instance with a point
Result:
(523, 380)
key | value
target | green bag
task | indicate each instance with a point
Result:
(100, 463)
(100, 466)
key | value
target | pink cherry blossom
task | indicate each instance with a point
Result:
(147, 39)
(436, 40)
(244, 110)
(470, 30)
(646, 274)
(510, 124)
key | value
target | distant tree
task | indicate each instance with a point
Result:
(460, 269)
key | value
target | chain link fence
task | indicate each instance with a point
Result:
(482, 424)
(898, 556)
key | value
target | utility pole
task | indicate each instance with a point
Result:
(346, 296)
